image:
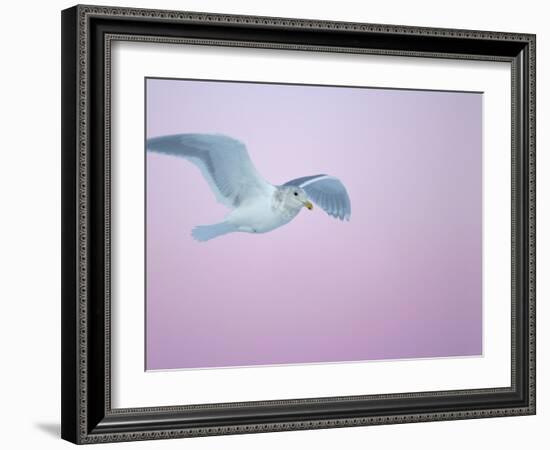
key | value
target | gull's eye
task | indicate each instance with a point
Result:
(296, 193)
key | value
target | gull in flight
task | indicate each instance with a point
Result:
(257, 206)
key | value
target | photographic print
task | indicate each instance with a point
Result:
(300, 224)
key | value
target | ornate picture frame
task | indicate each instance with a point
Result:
(88, 415)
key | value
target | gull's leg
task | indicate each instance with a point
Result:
(246, 229)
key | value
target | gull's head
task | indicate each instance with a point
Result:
(295, 198)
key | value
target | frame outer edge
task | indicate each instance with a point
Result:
(83, 180)
(297, 23)
(532, 222)
(69, 289)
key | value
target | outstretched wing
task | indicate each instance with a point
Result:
(223, 161)
(327, 192)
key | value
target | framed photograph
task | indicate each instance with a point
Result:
(276, 224)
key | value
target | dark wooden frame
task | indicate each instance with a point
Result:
(87, 32)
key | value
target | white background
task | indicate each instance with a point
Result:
(132, 387)
(30, 226)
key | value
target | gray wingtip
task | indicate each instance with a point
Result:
(344, 216)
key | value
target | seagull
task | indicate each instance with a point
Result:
(256, 205)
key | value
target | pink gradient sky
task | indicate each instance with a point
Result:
(402, 279)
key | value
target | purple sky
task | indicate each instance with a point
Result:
(402, 279)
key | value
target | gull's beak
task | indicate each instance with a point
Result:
(308, 205)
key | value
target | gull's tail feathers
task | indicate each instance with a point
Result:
(203, 233)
